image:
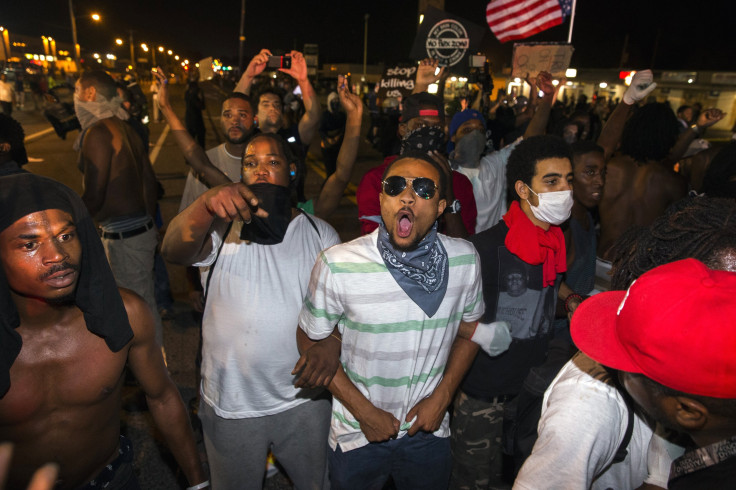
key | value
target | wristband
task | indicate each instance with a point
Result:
(338, 338)
(572, 296)
(204, 484)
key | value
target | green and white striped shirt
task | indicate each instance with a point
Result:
(391, 350)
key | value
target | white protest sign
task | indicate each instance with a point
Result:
(205, 69)
(535, 57)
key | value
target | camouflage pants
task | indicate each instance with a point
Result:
(476, 444)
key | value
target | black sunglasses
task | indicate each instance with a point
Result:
(422, 186)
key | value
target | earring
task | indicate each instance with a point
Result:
(292, 173)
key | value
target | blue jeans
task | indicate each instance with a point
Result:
(419, 461)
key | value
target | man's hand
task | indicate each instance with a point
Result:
(378, 425)
(298, 70)
(642, 84)
(163, 91)
(429, 414)
(544, 83)
(232, 201)
(257, 64)
(317, 366)
(426, 72)
(350, 102)
(709, 117)
(494, 338)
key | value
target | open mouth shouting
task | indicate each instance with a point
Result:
(404, 223)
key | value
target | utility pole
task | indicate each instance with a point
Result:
(365, 46)
(132, 51)
(74, 38)
(242, 36)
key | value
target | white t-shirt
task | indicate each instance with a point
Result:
(220, 158)
(250, 320)
(391, 350)
(583, 422)
(489, 186)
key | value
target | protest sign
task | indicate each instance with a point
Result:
(531, 58)
(397, 80)
(205, 69)
(447, 38)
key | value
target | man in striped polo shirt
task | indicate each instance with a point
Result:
(399, 295)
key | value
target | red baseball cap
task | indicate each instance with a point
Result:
(676, 325)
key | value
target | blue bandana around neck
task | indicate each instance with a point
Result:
(421, 273)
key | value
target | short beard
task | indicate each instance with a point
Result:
(408, 248)
(241, 140)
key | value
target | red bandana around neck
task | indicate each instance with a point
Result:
(535, 246)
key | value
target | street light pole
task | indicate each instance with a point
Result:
(74, 37)
(132, 51)
(365, 45)
(242, 36)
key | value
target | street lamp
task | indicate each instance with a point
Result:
(96, 17)
(119, 42)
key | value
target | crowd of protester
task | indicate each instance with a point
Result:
(542, 295)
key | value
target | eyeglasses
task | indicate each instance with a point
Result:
(422, 186)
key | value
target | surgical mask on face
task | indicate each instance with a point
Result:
(554, 207)
(469, 149)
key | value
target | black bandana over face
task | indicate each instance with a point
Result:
(276, 201)
(96, 295)
(422, 273)
(424, 139)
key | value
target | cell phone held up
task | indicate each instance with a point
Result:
(279, 62)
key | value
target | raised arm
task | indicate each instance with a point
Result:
(641, 85)
(706, 119)
(193, 153)
(164, 401)
(255, 68)
(426, 75)
(187, 236)
(310, 120)
(542, 105)
(329, 197)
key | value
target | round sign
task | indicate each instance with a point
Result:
(447, 42)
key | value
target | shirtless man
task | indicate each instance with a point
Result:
(640, 180)
(67, 334)
(119, 185)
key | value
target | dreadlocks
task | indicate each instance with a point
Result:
(699, 227)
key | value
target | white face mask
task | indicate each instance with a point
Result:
(554, 207)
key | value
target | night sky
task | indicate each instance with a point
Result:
(688, 35)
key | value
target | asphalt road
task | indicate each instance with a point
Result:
(53, 157)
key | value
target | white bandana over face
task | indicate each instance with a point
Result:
(90, 112)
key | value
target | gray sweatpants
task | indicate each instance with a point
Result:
(237, 448)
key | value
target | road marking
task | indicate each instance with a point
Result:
(159, 144)
(34, 136)
(318, 167)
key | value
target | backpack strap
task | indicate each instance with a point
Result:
(311, 222)
(212, 267)
(621, 452)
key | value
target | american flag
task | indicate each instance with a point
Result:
(517, 19)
